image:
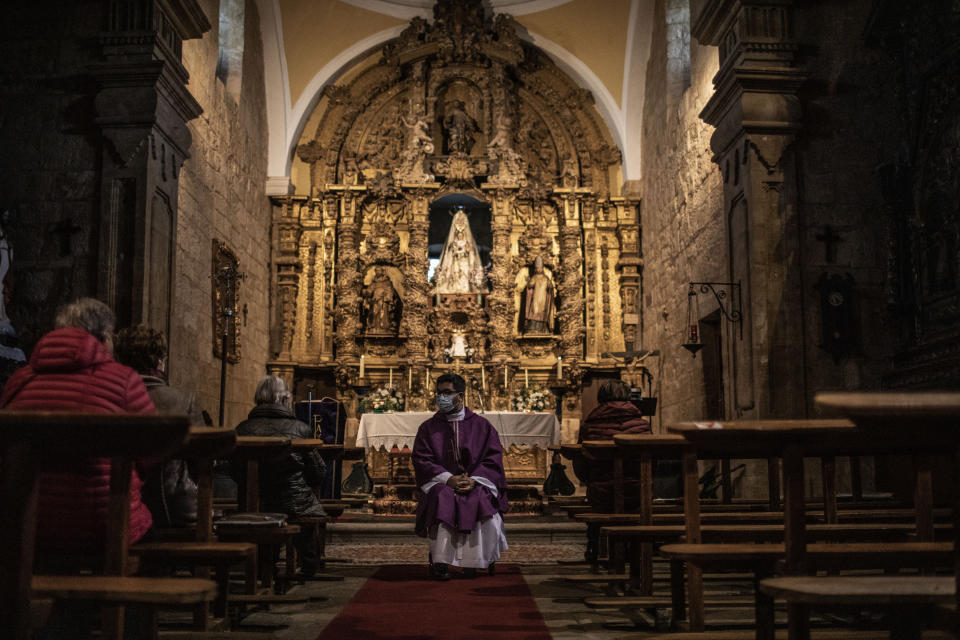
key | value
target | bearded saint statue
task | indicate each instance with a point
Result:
(460, 270)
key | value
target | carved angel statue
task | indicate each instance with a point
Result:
(460, 269)
(419, 134)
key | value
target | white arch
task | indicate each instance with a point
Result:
(285, 121)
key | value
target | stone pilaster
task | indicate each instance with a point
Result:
(756, 113)
(142, 109)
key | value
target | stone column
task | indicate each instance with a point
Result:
(142, 109)
(757, 114)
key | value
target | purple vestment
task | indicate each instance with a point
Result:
(481, 455)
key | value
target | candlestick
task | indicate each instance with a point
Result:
(361, 366)
(526, 378)
(390, 384)
(483, 379)
(559, 367)
(409, 378)
(504, 378)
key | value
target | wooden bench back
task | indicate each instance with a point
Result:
(27, 440)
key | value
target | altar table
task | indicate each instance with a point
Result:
(514, 428)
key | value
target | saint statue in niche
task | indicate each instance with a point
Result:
(539, 300)
(459, 127)
(380, 303)
(460, 270)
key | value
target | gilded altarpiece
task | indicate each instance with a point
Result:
(457, 106)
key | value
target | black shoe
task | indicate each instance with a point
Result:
(492, 569)
(469, 572)
(439, 571)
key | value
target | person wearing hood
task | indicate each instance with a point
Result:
(614, 415)
(72, 369)
(458, 461)
(287, 485)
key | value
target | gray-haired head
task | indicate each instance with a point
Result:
(272, 390)
(91, 315)
(613, 390)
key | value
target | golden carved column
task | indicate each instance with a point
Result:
(416, 294)
(288, 274)
(347, 314)
(500, 300)
(570, 291)
(630, 267)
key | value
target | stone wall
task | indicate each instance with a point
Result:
(49, 165)
(848, 132)
(51, 181)
(683, 228)
(221, 197)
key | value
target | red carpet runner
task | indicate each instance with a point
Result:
(402, 602)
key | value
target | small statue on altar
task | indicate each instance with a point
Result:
(539, 300)
(458, 345)
(380, 302)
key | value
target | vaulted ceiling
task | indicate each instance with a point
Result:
(309, 44)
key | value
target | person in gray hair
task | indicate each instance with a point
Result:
(287, 485)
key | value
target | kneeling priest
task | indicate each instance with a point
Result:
(458, 461)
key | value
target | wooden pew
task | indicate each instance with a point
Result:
(29, 439)
(317, 523)
(250, 451)
(932, 420)
(793, 440)
(204, 446)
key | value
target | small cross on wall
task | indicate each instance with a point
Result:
(830, 238)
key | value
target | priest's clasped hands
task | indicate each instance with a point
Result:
(461, 483)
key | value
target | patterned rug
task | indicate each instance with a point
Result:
(384, 554)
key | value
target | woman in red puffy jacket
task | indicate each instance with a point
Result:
(72, 368)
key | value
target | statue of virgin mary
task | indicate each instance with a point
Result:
(460, 270)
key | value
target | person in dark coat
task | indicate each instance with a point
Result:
(458, 462)
(169, 490)
(72, 368)
(287, 486)
(614, 415)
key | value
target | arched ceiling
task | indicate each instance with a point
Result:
(310, 43)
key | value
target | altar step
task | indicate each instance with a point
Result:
(399, 530)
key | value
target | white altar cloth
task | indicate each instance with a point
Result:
(514, 428)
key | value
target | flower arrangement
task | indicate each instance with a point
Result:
(382, 400)
(534, 398)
